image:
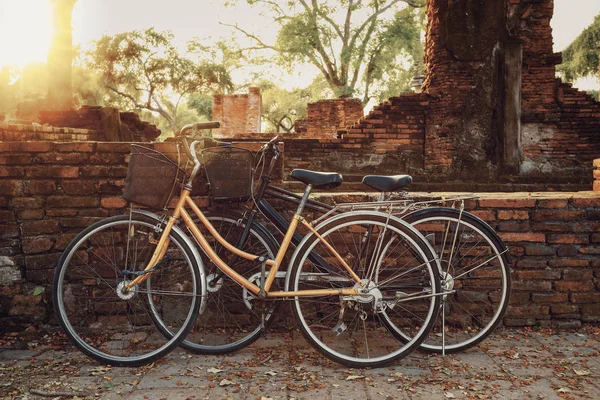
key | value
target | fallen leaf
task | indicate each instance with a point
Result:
(214, 370)
(449, 395)
(271, 373)
(354, 377)
(563, 390)
(581, 372)
(226, 382)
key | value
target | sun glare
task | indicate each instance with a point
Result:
(25, 31)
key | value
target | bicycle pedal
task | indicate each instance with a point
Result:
(340, 328)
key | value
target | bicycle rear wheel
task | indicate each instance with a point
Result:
(118, 326)
(474, 266)
(233, 317)
(402, 287)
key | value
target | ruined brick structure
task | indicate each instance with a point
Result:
(495, 105)
(238, 113)
(327, 118)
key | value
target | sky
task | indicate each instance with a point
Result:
(24, 35)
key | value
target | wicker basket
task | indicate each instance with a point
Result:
(151, 177)
(229, 173)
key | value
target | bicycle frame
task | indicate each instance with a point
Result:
(262, 292)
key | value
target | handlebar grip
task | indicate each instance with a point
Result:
(207, 125)
(199, 125)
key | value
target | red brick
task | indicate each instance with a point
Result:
(53, 172)
(577, 274)
(78, 222)
(581, 298)
(61, 212)
(567, 262)
(532, 286)
(41, 187)
(522, 237)
(27, 202)
(63, 158)
(507, 203)
(43, 227)
(11, 187)
(564, 309)
(72, 201)
(37, 245)
(485, 215)
(552, 203)
(79, 187)
(16, 159)
(25, 147)
(12, 172)
(6, 216)
(574, 286)
(585, 202)
(112, 147)
(568, 238)
(592, 250)
(558, 215)
(550, 297)
(512, 214)
(590, 310)
(538, 274)
(83, 147)
(9, 231)
(31, 214)
(113, 202)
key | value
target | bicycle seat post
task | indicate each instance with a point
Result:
(304, 199)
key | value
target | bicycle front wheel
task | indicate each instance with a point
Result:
(403, 287)
(474, 269)
(116, 325)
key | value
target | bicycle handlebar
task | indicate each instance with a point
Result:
(199, 125)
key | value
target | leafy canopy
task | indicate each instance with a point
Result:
(354, 44)
(143, 70)
(580, 58)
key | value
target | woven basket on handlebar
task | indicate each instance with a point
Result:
(229, 172)
(151, 177)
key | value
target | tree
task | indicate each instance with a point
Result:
(353, 44)
(142, 70)
(580, 58)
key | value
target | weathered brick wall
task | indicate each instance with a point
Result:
(51, 191)
(237, 113)
(89, 118)
(325, 118)
(464, 77)
(559, 123)
(10, 132)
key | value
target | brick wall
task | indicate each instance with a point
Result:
(51, 191)
(89, 118)
(325, 118)
(10, 132)
(464, 70)
(237, 113)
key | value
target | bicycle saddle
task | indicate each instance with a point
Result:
(385, 183)
(317, 179)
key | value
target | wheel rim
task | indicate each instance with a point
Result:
(378, 344)
(117, 327)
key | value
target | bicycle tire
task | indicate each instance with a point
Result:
(229, 322)
(114, 326)
(482, 296)
(394, 291)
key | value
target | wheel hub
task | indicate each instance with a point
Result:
(213, 284)
(124, 292)
(367, 293)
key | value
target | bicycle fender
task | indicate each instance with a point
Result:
(192, 246)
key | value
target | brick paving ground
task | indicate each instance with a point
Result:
(514, 364)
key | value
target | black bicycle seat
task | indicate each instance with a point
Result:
(387, 183)
(318, 179)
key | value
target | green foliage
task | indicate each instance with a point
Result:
(356, 46)
(580, 58)
(202, 103)
(142, 70)
(594, 94)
